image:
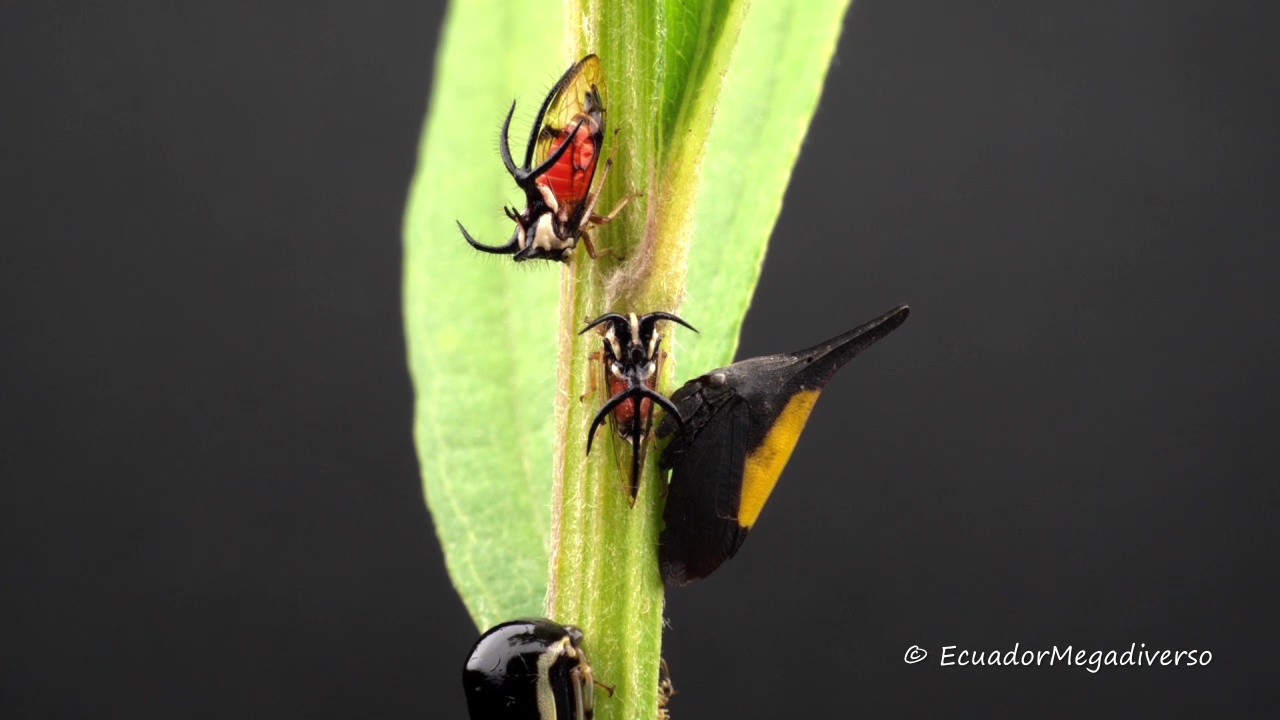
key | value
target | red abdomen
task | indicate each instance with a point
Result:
(624, 414)
(570, 178)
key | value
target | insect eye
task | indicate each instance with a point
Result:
(718, 380)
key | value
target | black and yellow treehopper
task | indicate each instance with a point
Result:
(740, 424)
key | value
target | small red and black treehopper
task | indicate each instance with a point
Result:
(558, 171)
(632, 358)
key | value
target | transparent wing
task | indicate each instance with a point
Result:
(573, 112)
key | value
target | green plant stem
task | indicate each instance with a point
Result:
(604, 565)
(483, 336)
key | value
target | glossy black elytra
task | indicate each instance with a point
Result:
(740, 424)
(529, 669)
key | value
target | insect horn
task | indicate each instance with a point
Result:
(546, 104)
(504, 147)
(648, 321)
(636, 403)
(661, 400)
(639, 393)
(507, 249)
(527, 176)
(603, 319)
(826, 358)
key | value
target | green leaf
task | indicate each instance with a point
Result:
(482, 332)
(770, 93)
(709, 135)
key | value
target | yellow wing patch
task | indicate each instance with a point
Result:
(764, 466)
(574, 99)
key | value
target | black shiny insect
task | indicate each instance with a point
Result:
(565, 144)
(632, 359)
(740, 424)
(529, 669)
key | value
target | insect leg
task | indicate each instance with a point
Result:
(596, 358)
(589, 215)
(591, 247)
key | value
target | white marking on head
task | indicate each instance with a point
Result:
(612, 339)
(544, 234)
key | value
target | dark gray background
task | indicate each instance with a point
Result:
(211, 506)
